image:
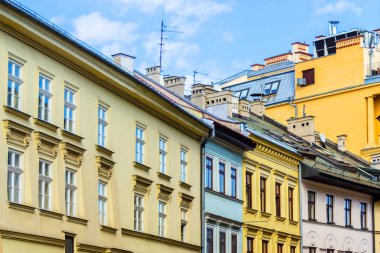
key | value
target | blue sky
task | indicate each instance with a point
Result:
(219, 37)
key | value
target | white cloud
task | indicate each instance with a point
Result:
(111, 36)
(339, 6)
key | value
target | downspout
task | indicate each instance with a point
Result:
(301, 204)
(295, 108)
(373, 226)
(203, 165)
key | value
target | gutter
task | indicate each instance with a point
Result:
(203, 165)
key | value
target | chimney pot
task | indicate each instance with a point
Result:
(125, 60)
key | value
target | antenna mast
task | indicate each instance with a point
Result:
(196, 73)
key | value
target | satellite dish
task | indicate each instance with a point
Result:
(322, 137)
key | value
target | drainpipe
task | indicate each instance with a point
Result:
(203, 165)
(295, 108)
(300, 193)
(373, 226)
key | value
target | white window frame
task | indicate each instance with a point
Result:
(14, 172)
(14, 81)
(139, 212)
(102, 125)
(161, 218)
(70, 192)
(102, 202)
(69, 110)
(44, 185)
(162, 150)
(184, 224)
(183, 157)
(44, 84)
(139, 153)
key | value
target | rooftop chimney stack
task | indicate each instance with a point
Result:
(222, 104)
(125, 60)
(258, 107)
(375, 161)
(154, 73)
(333, 27)
(256, 66)
(342, 139)
(303, 127)
(176, 84)
(199, 93)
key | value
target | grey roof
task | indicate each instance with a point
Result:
(285, 90)
(271, 68)
(230, 78)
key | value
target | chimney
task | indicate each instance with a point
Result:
(256, 66)
(375, 161)
(258, 107)
(300, 47)
(303, 127)
(244, 108)
(199, 94)
(333, 27)
(124, 60)
(154, 73)
(342, 139)
(175, 84)
(222, 104)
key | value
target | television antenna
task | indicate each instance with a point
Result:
(195, 73)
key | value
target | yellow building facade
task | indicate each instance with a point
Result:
(344, 97)
(271, 214)
(93, 159)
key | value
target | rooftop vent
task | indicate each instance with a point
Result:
(333, 27)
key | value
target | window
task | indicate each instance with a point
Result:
(330, 251)
(69, 244)
(44, 185)
(14, 84)
(102, 125)
(278, 199)
(162, 148)
(44, 98)
(271, 88)
(183, 224)
(161, 218)
(233, 243)
(222, 242)
(312, 250)
(183, 165)
(308, 75)
(222, 178)
(347, 212)
(210, 240)
(139, 211)
(264, 247)
(248, 189)
(139, 144)
(311, 205)
(363, 215)
(102, 202)
(70, 192)
(263, 194)
(209, 168)
(14, 176)
(279, 247)
(249, 245)
(69, 110)
(292, 249)
(244, 94)
(290, 204)
(329, 208)
(233, 183)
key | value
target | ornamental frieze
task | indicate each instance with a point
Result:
(72, 154)
(46, 145)
(104, 167)
(17, 134)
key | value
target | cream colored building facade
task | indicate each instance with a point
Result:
(97, 160)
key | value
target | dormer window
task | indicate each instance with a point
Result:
(271, 88)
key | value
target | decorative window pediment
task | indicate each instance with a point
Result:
(17, 134)
(164, 192)
(186, 200)
(72, 154)
(46, 144)
(142, 184)
(104, 167)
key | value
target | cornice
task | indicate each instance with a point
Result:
(14, 235)
(271, 152)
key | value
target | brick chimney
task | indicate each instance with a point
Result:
(125, 60)
(301, 52)
(303, 127)
(154, 73)
(222, 104)
(199, 93)
(258, 107)
(176, 84)
(342, 139)
(256, 66)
